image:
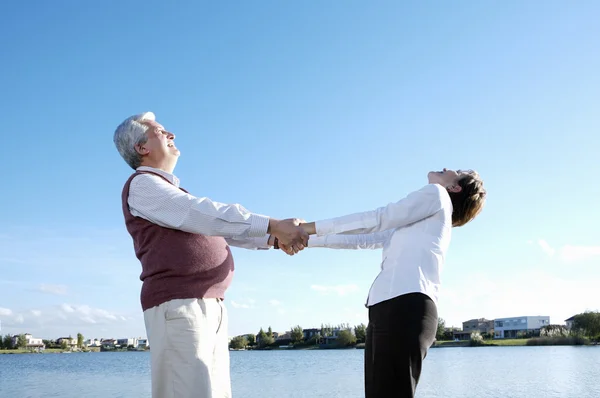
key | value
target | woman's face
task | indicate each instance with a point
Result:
(446, 178)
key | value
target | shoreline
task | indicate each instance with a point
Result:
(536, 342)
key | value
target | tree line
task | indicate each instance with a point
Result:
(7, 342)
(346, 336)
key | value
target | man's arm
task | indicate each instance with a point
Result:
(416, 206)
(158, 201)
(262, 243)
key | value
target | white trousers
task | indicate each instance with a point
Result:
(189, 349)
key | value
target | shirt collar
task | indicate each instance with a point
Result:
(170, 177)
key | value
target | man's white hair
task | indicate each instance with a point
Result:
(129, 134)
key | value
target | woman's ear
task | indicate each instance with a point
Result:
(454, 188)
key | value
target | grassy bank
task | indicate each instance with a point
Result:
(484, 343)
(537, 341)
(23, 351)
(46, 351)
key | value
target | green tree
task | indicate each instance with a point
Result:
(251, 339)
(297, 334)
(441, 328)
(360, 331)
(238, 343)
(326, 330)
(22, 341)
(346, 338)
(261, 335)
(8, 342)
(270, 332)
(79, 340)
(63, 344)
(267, 341)
(587, 324)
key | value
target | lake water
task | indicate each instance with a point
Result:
(506, 372)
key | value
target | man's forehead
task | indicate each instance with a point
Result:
(153, 124)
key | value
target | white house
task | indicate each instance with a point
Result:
(69, 341)
(31, 342)
(142, 344)
(127, 342)
(569, 322)
(92, 343)
(509, 328)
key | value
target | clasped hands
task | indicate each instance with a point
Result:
(292, 234)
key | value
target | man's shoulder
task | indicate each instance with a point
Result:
(147, 177)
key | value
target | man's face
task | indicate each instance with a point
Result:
(160, 145)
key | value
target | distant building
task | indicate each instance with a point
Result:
(70, 341)
(142, 344)
(32, 343)
(480, 325)
(126, 342)
(569, 322)
(520, 326)
(92, 343)
(310, 333)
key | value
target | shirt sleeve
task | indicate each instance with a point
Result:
(354, 242)
(416, 206)
(158, 201)
(250, 243)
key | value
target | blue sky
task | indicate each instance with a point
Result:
(310, 110)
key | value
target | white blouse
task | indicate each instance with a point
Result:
(414, 234)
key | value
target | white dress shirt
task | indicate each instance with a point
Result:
(414, 234)
(164, 204)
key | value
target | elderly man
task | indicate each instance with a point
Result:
(182, 242)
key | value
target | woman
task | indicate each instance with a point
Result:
(414, 234)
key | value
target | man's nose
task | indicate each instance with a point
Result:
(171, 136)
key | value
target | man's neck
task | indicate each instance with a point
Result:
(164, 167)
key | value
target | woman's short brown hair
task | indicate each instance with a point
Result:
(469, 201)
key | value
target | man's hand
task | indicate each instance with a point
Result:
(309, 227)
(291, 236)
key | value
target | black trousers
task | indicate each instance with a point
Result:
(400, 332)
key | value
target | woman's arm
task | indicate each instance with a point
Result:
(353, 242)
(418, 205)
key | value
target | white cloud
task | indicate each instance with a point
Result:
(36, 312)
(235, 304)
(59, 290)
(570, 253)
(546, 247)
(5, 311)
(67, 308)
(340, 290)
(275, 303)
(576, 253)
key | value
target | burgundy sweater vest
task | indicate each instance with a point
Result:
(177, 264)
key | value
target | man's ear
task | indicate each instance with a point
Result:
(454, 188)
(141, 150)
